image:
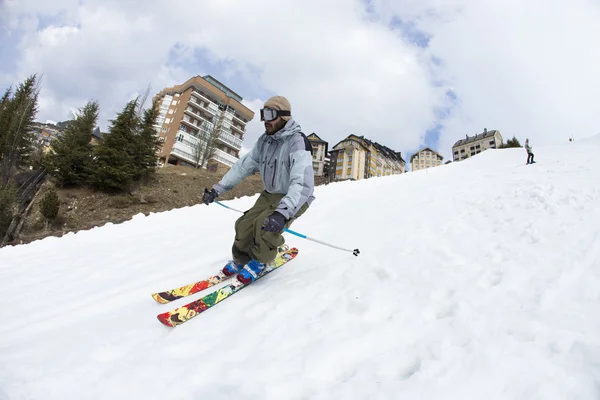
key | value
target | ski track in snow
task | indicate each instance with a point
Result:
(478, 279)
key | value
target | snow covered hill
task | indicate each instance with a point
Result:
(476, 280)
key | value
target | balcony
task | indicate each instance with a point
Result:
(209, 114)
(193, 114)
(241, 121)
(212, 111)
(240, 130)
(182, 152)
(225, 158)
(230, 140)
(188, 120)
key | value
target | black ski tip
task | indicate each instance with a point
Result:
(356, 252)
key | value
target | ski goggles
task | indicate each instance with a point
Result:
(269, 114)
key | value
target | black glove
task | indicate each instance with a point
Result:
(209, 196)
(274, 222)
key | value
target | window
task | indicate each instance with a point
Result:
(462, 151)
(164, 129)
(171, 111)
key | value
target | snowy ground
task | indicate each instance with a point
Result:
(476, 280)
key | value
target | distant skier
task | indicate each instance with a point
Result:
(283, 156)
(529, 153)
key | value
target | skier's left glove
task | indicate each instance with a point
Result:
(209, 196)
(274, 222)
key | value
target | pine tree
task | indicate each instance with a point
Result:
(7, 199)
(17, 115)
(113, 168)
(70, 157)
(514, 142)
(50, 204)
(147, 144)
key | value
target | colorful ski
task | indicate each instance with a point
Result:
(184, 313)
(188, 290)
(193, 288)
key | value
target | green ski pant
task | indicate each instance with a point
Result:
(251, 242)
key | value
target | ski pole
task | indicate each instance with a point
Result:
(355, 252)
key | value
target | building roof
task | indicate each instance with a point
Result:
(97, 134)
(389, 153)
(426, 148)
(317, 138)
(224, 88)
(211, 88)
(485, 134)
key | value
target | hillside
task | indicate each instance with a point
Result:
(476, 280)
(170, 188)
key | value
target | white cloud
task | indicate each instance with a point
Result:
(525, 68)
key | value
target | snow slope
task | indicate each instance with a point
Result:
(478, 279)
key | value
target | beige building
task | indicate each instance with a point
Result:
(473, 145)
(359, 158)
(320, 154)
(191, 111)
(425, 158)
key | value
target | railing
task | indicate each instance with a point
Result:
(240, 130)
(230, 139)
(226, 156)
(183, 154)
(211, 109)
(239, 119)
(223, 160)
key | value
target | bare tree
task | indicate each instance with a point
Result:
(206, 146)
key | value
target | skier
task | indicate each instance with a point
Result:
(529, 153)
(283, 156)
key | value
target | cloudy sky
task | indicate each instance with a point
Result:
(405, 73)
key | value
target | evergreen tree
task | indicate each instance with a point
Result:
(70, 157)
(4, 107)
(514, 142)
(50, 204)
(17, 115)
(113, 168)
(7, 199)
(147, 144)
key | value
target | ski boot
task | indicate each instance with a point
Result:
(231, 268)
(250, 272)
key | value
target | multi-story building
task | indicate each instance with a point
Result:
(45, 133)
(196, 110)
(96, 136)
(425, 158)
(473, 145)
(320, 154)
(359, 158)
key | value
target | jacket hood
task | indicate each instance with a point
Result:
(288, 129)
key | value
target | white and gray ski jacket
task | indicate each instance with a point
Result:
(285, 164)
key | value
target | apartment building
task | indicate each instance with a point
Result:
(425, 158)
(356, 157)
(472, 145)
(45, 133)
(193, 110)
(320, 154)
